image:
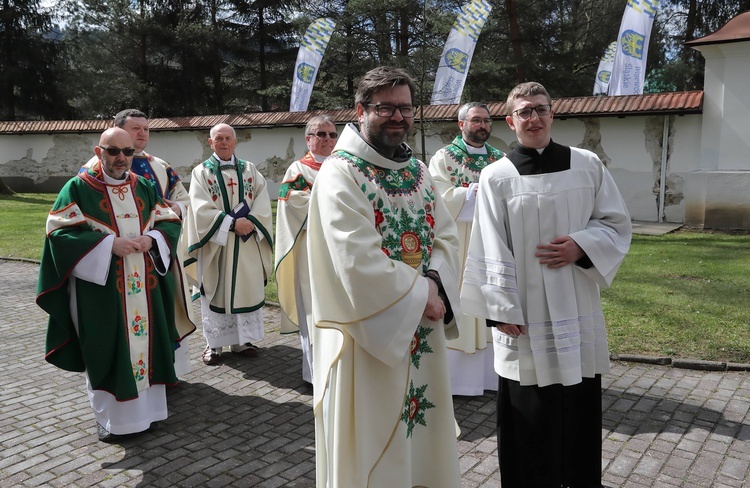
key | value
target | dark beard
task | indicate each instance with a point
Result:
(476, 137)
(381, 141)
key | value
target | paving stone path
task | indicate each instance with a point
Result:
(248, 422)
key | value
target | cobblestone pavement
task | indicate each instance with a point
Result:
(248, 422)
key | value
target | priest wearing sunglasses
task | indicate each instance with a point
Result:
(168, 183)
(108, 276)
(292, 276)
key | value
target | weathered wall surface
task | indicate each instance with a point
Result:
(630, 147)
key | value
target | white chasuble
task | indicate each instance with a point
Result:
(456, 168)
(382, 401)
(292, 275)
(566, 337)
(230, 272)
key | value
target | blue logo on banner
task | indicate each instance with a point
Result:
(305, 72)
(456, 60)
(604, 76)
(632, 44)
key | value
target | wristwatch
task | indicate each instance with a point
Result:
(231, 226)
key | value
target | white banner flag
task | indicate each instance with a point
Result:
(456, 57)
(310, 54)
(604, 72)
(629, 68)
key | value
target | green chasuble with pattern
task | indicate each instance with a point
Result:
(128, 328)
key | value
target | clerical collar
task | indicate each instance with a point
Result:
(550, 159)
(223, 162)
(112, 181)
(352, 141)
(474, 150)
(318, 158)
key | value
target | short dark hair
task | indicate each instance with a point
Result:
(126, 114)
(468, 106)
(379, 78)
(528, 89)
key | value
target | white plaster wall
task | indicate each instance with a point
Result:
(569, 131)
(631, 165)
(736, 130)
(684, 158)
(725, 137)
(629, 146)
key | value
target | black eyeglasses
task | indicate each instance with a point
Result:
(407, 111)
(321, 134)
(477, 121)
(525, 113)
(114, 151)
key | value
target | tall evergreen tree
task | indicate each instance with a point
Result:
(30, 57)
(679, 21)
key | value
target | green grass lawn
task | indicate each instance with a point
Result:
(684, 295)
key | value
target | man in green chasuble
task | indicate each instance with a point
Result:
(110, 281)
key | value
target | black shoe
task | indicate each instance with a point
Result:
(105, 435)
(110, 438)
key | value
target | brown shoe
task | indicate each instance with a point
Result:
(211, 356)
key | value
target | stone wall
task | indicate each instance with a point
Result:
(631, 147)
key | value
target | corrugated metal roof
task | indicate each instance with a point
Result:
(678, 103)
(737, 29)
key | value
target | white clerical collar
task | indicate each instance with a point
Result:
(141, 154)
(318, 158)
(474, 150)
(111, 181)
(224, 161)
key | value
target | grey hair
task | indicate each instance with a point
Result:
(318, 120)
(214, 128)
(468, 106)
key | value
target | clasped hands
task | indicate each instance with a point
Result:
(124, 246)
(560, 252)
(243, 226)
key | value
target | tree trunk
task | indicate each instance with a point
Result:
(515, 39)
(262, 59)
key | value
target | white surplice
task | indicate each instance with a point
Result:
(566, 337)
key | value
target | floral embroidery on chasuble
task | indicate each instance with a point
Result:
(464, 168)
(133, 277)
(143, 166)
(403, 212)
(297, 181)
(225, 184)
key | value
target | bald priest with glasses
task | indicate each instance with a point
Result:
(108, 279)
(550, 229)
